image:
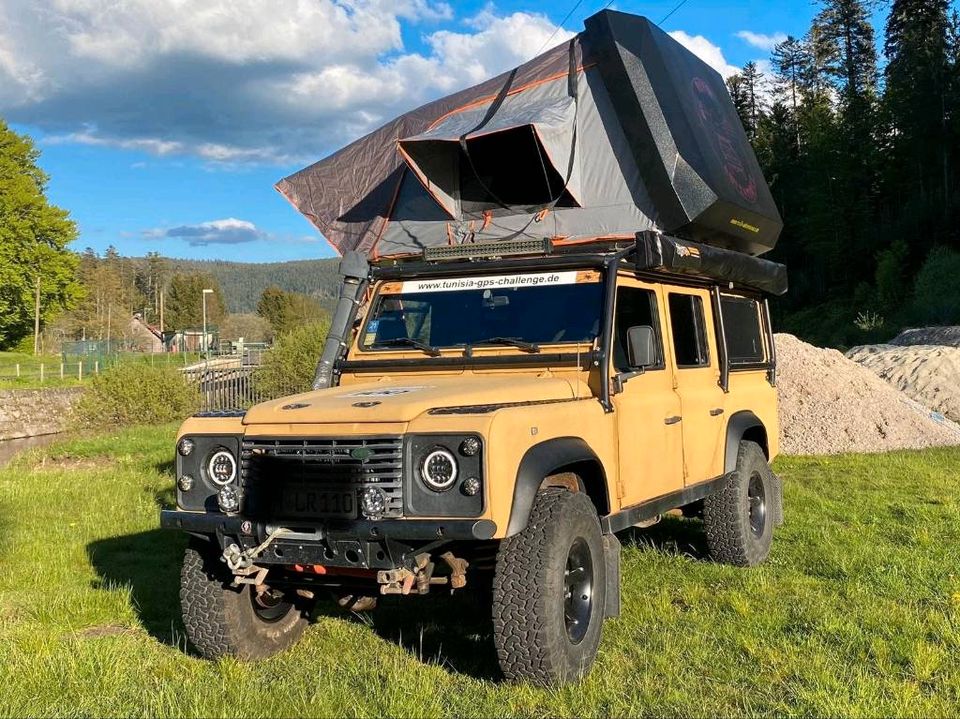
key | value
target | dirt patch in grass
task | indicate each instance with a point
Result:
(73, 462)
(103, 630)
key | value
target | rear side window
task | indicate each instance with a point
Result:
(744, 331)
(689, 332)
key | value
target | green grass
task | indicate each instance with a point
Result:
(857, 613)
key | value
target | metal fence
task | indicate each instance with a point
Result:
(232, 382)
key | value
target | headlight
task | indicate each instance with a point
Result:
(185, 483)
(373, 502)
(222, 467)
(185, 446)
(228, 499)
(439, 470)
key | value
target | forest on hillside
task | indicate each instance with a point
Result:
(862, 151)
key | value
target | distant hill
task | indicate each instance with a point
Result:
(243, 282)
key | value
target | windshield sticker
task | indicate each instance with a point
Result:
(460, 284)
(385, 392)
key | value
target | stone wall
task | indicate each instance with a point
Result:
(32, 412)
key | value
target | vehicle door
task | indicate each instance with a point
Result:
(694, 354)
(650, 442)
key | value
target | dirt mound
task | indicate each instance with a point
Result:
(830, 404)
(947, 336)
(929, 374)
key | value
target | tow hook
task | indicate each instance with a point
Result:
(419, 579)
(240, 562)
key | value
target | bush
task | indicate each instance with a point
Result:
(936, 291)
(130, 394)
(289, 367)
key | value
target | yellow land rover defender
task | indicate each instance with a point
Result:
(526, 408)
(552, 327)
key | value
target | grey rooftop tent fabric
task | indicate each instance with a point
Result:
(617, 131)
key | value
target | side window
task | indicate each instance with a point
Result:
(635, 307)
(689, 333)
(742, 326)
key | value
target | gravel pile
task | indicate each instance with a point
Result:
(830, 404)
(929, 374)
(947, 336)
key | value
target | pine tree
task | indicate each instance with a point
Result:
(917, 78)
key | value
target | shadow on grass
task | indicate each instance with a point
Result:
(166, 468)
(452, 631)
(672, 535)
(149, 564)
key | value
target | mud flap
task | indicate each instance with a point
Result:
(611, 559)
(777, 484)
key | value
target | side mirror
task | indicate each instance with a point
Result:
(641, 346)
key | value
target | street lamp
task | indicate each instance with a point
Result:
(206, 344)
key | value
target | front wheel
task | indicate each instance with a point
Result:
(223, 620)
(549, 592)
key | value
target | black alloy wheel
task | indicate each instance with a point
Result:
(578, 590)
(757, 498)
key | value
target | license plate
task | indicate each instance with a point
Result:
(318, 503)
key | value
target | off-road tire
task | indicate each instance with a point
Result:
(220, 619)
(735, 535)
(529, 626)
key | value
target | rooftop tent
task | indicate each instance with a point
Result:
(617, 131)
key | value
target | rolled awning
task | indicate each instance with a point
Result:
(521, 158)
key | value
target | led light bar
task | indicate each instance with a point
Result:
(486, 250)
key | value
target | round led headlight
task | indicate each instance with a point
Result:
(439, 470)
(185, 446)
(222, 467)
(373, 502)
(185, 483)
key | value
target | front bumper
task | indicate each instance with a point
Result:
(407, 529)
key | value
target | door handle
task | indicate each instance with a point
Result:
(716, 412)
(672, 420)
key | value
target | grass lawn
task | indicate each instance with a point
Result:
(856, 613)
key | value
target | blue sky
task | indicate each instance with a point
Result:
(165, 131)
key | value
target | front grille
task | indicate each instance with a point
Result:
(271, 469)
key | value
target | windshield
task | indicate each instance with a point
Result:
(509, 310)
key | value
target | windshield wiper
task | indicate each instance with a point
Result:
(510, 341)
(408, 342)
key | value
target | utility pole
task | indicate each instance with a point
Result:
(36, 320)
(206, 344)
(161, 310)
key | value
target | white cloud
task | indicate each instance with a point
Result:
(235, 81)
(706, 51)
(228, 231)
(761, 41)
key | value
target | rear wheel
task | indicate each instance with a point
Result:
(549, 592)
(224, 620)
(740, 517)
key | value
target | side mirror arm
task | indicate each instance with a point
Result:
(621, 378)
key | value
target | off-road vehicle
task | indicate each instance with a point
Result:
(502, 392)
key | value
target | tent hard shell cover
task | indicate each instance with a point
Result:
(618, 131)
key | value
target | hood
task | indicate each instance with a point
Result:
(402, 400)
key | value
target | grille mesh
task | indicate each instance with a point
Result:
(271, 466)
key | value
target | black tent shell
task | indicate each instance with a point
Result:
(617, 131)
